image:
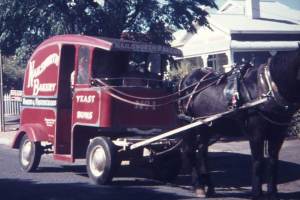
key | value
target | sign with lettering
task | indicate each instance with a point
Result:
(86, 107)
(42, 73)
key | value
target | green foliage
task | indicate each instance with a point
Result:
(13, 74)
(26, 23)
(177, 73)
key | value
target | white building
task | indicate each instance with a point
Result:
(241, 29)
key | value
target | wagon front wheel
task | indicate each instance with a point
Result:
(29, 154)
(101, 160)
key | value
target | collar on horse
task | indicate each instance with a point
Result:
(269, 86)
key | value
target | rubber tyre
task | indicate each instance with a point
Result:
(167, 167)
(30, 154)
(102, 171)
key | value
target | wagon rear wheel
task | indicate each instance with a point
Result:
(29, 154)
(167, 167)
(101, 160)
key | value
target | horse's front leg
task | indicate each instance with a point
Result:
(201, 175)
(257, 146)
(274, 146)
(189, 151)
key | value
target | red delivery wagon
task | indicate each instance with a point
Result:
(90, 98)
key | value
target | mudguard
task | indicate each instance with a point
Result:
(35, 133)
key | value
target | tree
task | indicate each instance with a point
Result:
(26, 23)
(13, 75)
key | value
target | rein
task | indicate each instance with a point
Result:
(138, 97)
(195, 90)
(132, 102)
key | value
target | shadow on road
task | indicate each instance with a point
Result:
(231, 173)
(234, 170)
(14, 189)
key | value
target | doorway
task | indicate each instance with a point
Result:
(64, 100)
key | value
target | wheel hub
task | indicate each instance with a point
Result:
(26, 152)
(97, 161)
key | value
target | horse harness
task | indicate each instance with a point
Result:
(232, 90)
(267, 85)
(198, 88)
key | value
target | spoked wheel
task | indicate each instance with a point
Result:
(167, 167)
(101, 160)
(29, 154)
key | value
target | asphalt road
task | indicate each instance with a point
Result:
(61, 181)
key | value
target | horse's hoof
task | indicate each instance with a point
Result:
(200, 193)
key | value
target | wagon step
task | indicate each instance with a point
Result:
(196, 123)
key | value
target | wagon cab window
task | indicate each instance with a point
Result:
(108, 64)
(120, 68)
(83, 65)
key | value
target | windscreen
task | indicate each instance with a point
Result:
(126, 68)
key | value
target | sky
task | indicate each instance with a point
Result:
(295, 4)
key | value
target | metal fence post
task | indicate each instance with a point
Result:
(2, 120)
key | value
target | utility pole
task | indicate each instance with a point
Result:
(2, 121)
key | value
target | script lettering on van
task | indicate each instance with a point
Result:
(34, 73)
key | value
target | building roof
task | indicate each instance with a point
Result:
(231, 19)
(243, 24)
(274, 17)
(269, 9)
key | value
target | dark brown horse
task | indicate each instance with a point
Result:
(280, 81)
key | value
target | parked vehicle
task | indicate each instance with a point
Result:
(87, 97)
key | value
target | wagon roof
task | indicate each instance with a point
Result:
(111, 44)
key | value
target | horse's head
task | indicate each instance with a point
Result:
(285, 71)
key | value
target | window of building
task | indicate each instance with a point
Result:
(255, 58)
(212, 62)
(217, 62)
